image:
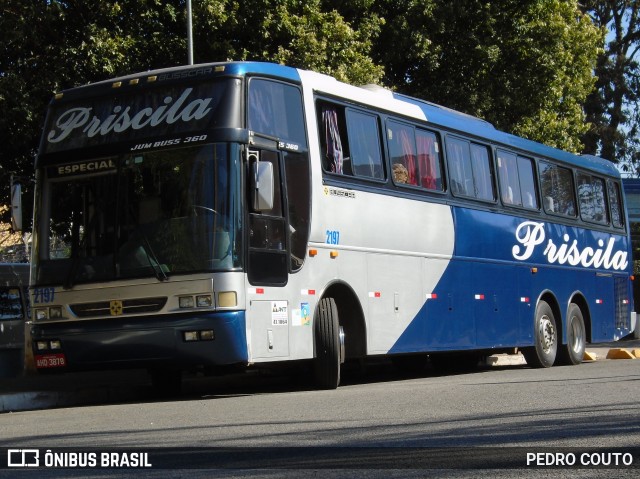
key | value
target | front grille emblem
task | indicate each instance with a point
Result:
(115, 307)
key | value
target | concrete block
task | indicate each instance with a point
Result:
(619, 353)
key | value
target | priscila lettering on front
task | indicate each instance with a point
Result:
(123, 119)
(531, 234)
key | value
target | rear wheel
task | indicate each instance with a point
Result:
(573, 352)
(327, 342)
(543, 353)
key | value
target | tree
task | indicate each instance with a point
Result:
(614, 106)
(298, 34)
(527, 67)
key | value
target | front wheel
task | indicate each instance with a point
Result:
(543, 353)
(327, 342)
(573, 352)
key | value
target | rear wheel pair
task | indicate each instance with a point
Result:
(546, 350)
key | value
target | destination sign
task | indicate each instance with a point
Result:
(135, 116)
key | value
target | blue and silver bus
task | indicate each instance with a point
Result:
(247, 214)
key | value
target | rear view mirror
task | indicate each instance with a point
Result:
(263, 191)
(16, 206)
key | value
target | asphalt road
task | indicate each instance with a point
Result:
(378, 424)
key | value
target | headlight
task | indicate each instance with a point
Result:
(207, 335)
(191, 335)
(52, 312)
(185, 301)
(200, 301)
(204, 301)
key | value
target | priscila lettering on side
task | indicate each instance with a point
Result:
(531, 234)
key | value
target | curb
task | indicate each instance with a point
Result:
(33, 400)
(25, 401)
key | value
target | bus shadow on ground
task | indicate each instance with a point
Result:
(300, 378)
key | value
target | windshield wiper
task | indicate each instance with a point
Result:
(153, 260)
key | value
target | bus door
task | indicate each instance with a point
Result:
(268, 255)
(278, 223)
(268, 263)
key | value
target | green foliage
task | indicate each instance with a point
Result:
(298, 34)
(562, 45)
(524, 66)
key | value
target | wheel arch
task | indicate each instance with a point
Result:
(350, 316)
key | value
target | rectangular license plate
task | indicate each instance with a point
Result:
(56, 360)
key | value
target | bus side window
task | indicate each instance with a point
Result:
(402, 150)
(429, 160)
(460, 173)
(470, 169)
(333, 139)
(482, 172)
(527, 179)
(615, 202)
(508, 173)
(591, 198)
(557, 189)
(364, 143)
(517, 180)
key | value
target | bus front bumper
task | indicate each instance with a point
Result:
(175, 341)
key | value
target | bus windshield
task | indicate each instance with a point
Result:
(152, 213)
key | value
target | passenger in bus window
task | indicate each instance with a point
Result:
(402, 149)
(400, 173)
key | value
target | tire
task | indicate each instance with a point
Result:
(327, 343)
(543, 353)
(572, 353)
